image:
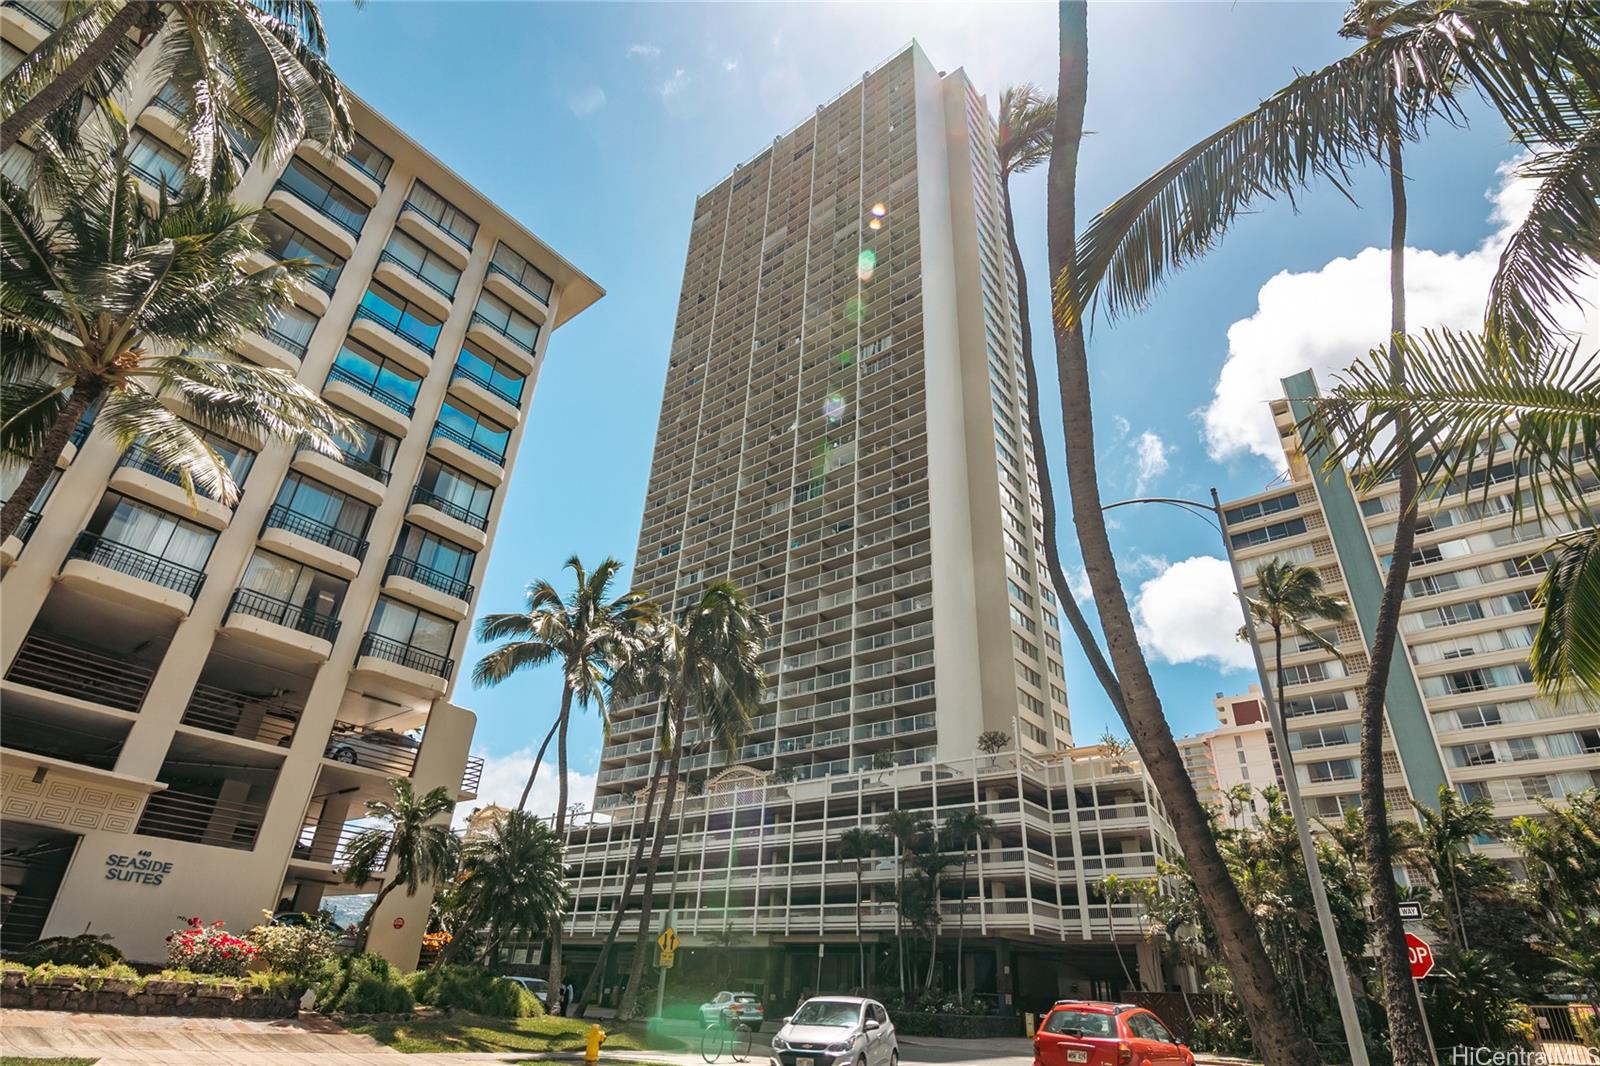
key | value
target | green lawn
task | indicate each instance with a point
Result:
(469, 1033)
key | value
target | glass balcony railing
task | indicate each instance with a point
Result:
(137, 563)
(439, 503)
(449, 584)
(286, 518)
(387, 648)
(487, 381)
(373, 389)
(281, 612)
(450, 433)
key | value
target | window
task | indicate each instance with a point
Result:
(17, 164)
(527, 277)
(498, 316)
(498, 377)
(400, 316)
(1020, 593)
(156, 162)
(461, 497)
(373, 451)
(417, 259)
(1286, 502)
(286, 242)
(1276, 531)
(291, 594)
(137, 539)
(1018, 618)
(472, 431)
(324, 195)
(323, 514)
(377, 376)
(414, 629)
(369, 159)
(237, 458)
(442, 213)
(431, 560)
(291, 330)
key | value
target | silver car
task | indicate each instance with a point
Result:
(836, 1031)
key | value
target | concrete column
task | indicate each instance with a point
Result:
(1151, 972)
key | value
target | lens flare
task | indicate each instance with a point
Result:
(846, 358)
(855, 308)
(878, 210)
(866, 263)
(833, 407)
(876, 223)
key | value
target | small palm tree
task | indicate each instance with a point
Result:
(905, 829)
(414, 840)
(857, 844)
(708, 659)
(1288, 598)
(513, 880)
(113, 306)
(963, 828)
(260, 62)
(1446, 839)
(589, 634)
(932, 861)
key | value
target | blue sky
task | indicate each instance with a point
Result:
(597, 125)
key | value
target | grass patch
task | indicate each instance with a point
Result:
(472, 1033)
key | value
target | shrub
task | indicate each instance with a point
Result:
(85, 949)
(472, 988)
(301, 951)
(363, 984)
(209, 949)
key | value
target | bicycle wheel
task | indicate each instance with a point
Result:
(742, 1039)
(712, 1039)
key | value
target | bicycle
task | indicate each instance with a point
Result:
(735, 1038)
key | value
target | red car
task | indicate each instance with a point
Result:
(1081, 1033)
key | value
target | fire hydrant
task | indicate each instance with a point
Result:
(591, 1049)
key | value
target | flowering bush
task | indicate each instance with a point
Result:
(209, 949)
(436, 941)
(297, 950)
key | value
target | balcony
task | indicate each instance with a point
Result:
(472, 777)
(306, 536)
(461, 451)
(322, 846)
(65, 668)
(141, 475)
(382, 750)
(501, 342)
(241, 714)
(178, 814)
(300, 208)
(14, 544)
(387, 335)
(515, 286)
(361, 478)
(157, 583)
(430, 589)
(422, 224)
(369, 399)
(415, 670)
(481, 391)
(447, 518)
(401, 276)
(286, 627)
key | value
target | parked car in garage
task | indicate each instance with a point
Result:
(378, 749)
(1091, 1033)
(837, 1031)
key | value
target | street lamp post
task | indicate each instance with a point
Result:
(1291, 785)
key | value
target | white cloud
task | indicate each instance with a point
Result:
(587, 101)
(731, 63)
(643, 49)
(1188, 613)
(1078, 583)
(504, 777)
(674, 85)
(1326, 319)
(1151, 452)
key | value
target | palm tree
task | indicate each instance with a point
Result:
(415, 841)
(512, 880)
(109, 307)
(1446, 838)
(1281, 1040)
(964, 827)
(1561, 851)
(259, 62)
(858, 844)
(932, 861)
(709, 659)
(906, 829)
(1288, 598)
(589, 634)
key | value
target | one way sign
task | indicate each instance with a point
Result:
(1410, 911)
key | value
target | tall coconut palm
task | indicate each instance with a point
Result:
(110, 305)
(857, 844)
(1445, 844)
(589, 634)
(414, 840)
(512, 880)
(708, 659)
(1281, 1040)
(259, 62)
(966, 829)
(1287, 600)
(906, 830)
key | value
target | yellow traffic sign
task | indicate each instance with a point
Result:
(667, 941)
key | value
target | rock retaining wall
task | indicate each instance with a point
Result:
(184, 999)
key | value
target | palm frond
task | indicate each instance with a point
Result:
(500, 663)
(28, 410)
(1566, 647)
(229, 396)
(134, 416)
(1025, 129)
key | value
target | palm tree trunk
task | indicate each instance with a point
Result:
(862, 944)
(933, 939)
(61, 88)
(641, 941)
(44, 461)
(1406, 1029)
(553, 1004)
(522, 804)
(961, 919)
(634, 865)
(1047, 496)
(1280, 1040)
(899, 926)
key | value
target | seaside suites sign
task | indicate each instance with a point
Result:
(138, 869)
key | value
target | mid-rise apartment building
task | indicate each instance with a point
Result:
(200, 698)
(843, 434)
(1238, 756)
(1461, 706)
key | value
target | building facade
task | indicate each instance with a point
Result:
(1461, 707)
(199, 699)
(843, 435)
(1237, 756)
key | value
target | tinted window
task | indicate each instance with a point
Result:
(1089, 1023)
(828, 1012)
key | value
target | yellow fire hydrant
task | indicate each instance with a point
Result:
(591, 1049)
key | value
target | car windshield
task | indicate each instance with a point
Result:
(746, 999)
(1089, 1023)
(828, 1012)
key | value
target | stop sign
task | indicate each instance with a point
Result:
(1420, 955)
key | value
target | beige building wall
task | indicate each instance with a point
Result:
(258, 725)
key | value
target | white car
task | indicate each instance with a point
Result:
(537, 985)
(836, 1031)
(378, 749)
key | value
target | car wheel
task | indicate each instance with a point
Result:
(344, 755)
(894, 1058)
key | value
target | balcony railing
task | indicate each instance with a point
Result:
(387, 648)
(320, 208)
(182, 815)
(371, 388)
(241, 714)
(479, 316)
(412, 205)
(450, 433)
(282, 612)
(383, 750)
(138, 564)
(142, 458)
(432, 499)
(45, 14)
(360, 464)
(496, 268)
(472, 775)
(363, 311)
(333, 850)
(70, 669)
(281, 516)
(483, 381)
(390, 257)
(400, 566)
(287, 342)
